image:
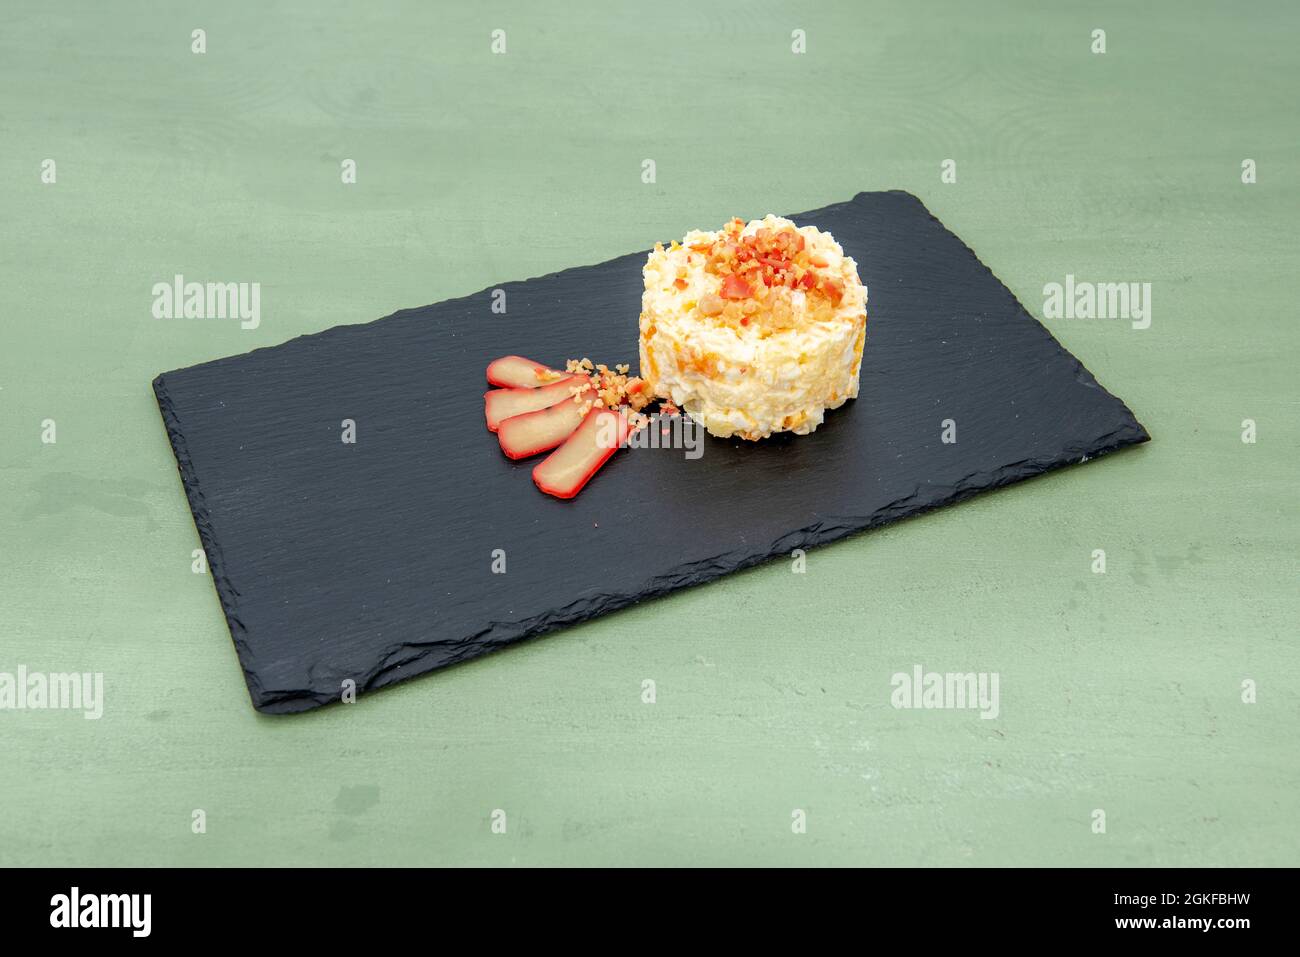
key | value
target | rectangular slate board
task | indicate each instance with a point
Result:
(373, 561)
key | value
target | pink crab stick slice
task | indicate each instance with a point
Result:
(516, 372)
(524, 435)
(501, 404)
(565, 471)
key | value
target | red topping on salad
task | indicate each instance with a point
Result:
(734, 287)
(771, 258)
(759, 273)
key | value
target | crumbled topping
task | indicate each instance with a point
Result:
(767, 278)
(609, 387)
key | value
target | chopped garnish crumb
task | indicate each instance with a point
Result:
(612, 387)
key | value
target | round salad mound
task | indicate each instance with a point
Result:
(753, 329)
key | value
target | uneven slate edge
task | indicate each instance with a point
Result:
(499, 634)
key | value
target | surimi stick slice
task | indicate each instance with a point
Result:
(565, 471)
(501, 404)
(533, 432)
(516, 372)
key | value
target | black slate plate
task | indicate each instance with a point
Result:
(373, 561)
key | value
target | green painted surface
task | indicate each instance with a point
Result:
(1119, 691)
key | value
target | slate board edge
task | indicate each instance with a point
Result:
(1082, 373)
(226, 593)
(345, 328)
(409, 655)
(502, 634)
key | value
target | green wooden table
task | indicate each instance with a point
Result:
(1120, 691)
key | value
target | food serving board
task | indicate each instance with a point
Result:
(379, 559)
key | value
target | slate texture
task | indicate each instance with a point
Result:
(373, 561)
